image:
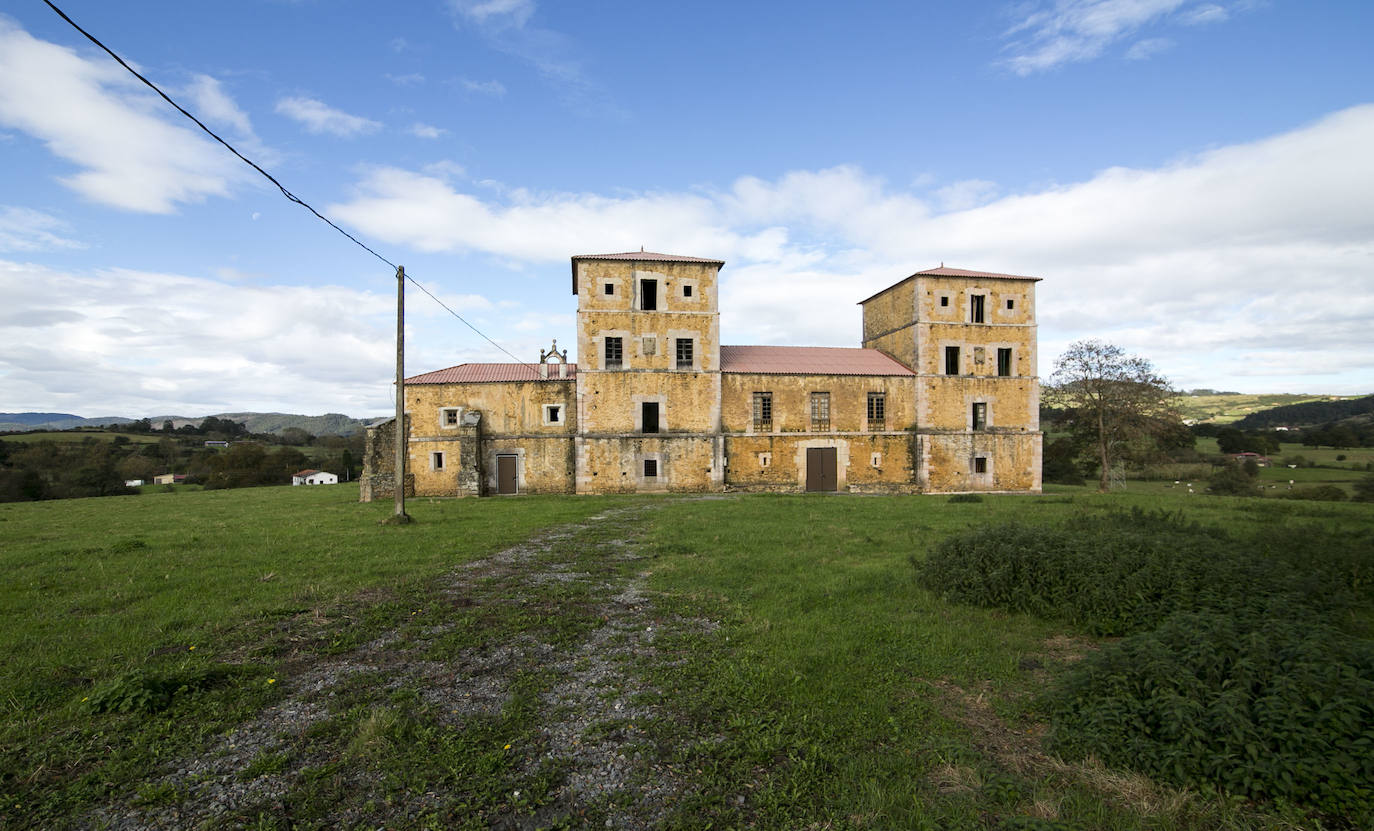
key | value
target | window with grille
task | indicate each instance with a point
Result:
(820, 411)
(951, 360)
(763, 412)
(980, 415)
(451, 417)
(1004, 362)
(980, 464)
(651, 468)
(615, 352)
(684, 353)
(877, 411)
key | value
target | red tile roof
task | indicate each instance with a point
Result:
(951, 272)
(490, 373)
(808, 360)
(311, 472)
(645, 256)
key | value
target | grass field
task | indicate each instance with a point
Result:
(78, 436)
(798, 676)
(1224, 409)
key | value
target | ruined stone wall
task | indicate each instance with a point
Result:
(378, 478)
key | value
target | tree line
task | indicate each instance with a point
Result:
(91, 464)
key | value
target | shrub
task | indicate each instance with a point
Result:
(1270, 709)
(1232, 480)
(1124, 572)
(1364, 489)
(1319, 493)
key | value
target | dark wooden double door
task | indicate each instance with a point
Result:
(822, 469)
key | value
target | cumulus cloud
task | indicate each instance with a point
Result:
(212, 104)
(129, 151)
(1243, 257)
(319, 118)
(1048, 34)
(138, 342)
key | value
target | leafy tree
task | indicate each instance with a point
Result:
(1112, 398)
(1364, 489)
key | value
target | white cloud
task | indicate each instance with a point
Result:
(1145, 49)
(426, 131)
(496, 89)
(969, 193)
(407, 80)
(24, 229)
(92, 113)
(320, 118)
(212, 104)
(1246, 256)
(1053, 32)
(497, 13)
(134, 342)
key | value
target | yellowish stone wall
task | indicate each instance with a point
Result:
(792, 401)
(616, 465)
(874, 463)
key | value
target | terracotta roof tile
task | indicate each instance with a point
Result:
(645, 256)
(808, 360)
(490, 373)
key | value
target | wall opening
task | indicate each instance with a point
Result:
(763, 412)
(648, 417)
(648, 295)
(1004, 362)
(951, 360)
(975, 308)
(980, 415)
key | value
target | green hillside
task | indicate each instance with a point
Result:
(1225, 408)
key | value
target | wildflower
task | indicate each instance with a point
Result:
(88, 698)
(507, 747)
(190, 649)
(271, 680)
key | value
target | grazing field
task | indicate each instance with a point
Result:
(78, 436)
(276, 657)
(1226, 408)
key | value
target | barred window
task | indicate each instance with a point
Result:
(763, 411)
(820, 411)
(877, 411)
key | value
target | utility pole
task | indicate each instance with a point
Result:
(400, 517)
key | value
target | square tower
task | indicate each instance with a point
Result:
(648, 388)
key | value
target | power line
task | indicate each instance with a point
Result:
(288, 194)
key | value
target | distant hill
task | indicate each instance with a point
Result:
(1308, 414)
(329, 424)
(1227, 407)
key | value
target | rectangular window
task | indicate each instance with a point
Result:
(553, 413)
(609, 288)
(975, 308)
(980, 415)
(687, 291)
(763, 412)
(648, 295)
(820, 411)
(614, 353)
(451, 418)
(1011, 304)
(951, 360)
(944, 301)
(436, 461)
(877, 411)
(684, 353)
(1004, 362)
(980, 464)
(651, 468)
(648, 417)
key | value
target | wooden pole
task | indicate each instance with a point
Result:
(400, 466)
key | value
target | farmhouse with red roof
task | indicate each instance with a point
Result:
(941, 396)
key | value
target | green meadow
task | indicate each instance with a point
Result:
(830, 688)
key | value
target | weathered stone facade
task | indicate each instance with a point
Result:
(941, 398)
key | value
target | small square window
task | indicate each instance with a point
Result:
(1011, 304)
(944, 301)
(609, 288)
(686, 291)
(553, 413)
(980, 464)
(451, 417)
(651, 468)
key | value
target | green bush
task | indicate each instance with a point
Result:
(1270, 709)
(1319, 493)
(1232, 480)
(1124, 572)
(1364, 489)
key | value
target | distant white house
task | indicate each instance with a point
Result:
(314, 477)
(132, 483)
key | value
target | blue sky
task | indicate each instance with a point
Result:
(1193, 180)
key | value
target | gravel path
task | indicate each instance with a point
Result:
(594, 684)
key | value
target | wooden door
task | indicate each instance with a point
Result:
(507, 474)
(822, 470)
